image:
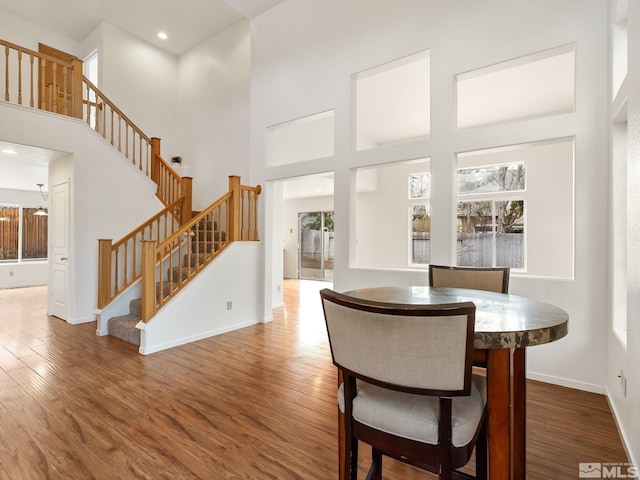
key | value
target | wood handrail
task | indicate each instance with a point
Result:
(28, 51)
(112, 105)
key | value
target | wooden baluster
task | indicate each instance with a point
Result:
(6, 73)
(125, 266)
(149, 279)
(104, 118)
(43, 105)
(76, 88)
(53, 93)
(65, 73)
(187, 205)
(120, 134)
(31, 99)
(116, 279)
(112, 114)
(104, 272)
(19, 77)
(88, 91)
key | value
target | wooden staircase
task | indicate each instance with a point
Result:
(206, 240)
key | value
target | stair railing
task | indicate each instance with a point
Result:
(24, 84)
(120, 263)
(24, 81)
(168, 266)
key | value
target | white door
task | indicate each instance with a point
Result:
(59, 225)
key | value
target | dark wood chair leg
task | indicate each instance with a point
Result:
(375, 470)
(482, 454)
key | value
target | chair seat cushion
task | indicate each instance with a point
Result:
(416, 416)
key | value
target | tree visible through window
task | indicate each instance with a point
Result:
(491, 227)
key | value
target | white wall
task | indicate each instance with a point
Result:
(201, 310)
(624, 256)
(141, 80)
(25, 34)
(382, 218)
(213, 103)
(98, 177)
(304, 67)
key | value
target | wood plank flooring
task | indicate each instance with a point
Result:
(257, 403)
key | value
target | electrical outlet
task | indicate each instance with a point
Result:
(278, 287)
(229, 305)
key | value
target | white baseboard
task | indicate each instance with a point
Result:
(565, 382)
(144, 350)
(623, 433)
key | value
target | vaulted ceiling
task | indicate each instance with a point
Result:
(186, 22)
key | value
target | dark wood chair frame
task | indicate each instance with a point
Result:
(442, 459)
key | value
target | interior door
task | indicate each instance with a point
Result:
(59, 225)
(55, 92)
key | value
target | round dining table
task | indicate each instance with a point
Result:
(505, 326)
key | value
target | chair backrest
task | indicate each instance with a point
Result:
(424, 349)
(492, 279)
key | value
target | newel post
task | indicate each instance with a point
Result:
(235, 211)
(155, 160)
(76, 89)
(148, 280)
(104, 272)
(187, 205)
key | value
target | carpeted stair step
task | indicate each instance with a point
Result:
(124, 327)
(195, 259)
(204, 246)
(135, 307)
(180, 273)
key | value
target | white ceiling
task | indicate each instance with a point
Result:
(25, 168)
(186, 22)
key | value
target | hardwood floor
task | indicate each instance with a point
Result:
(257, 403)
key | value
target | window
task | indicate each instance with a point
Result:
(23, 234)
(491, 228)
(516, 208)
(420, 215)
(392, 205)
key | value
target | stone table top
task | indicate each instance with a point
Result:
(502, 321)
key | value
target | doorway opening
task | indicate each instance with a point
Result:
(315, 245)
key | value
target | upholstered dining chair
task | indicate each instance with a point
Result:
(408, 389)
(492, 279)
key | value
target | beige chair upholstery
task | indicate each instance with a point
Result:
(492, 279)
(408, 389)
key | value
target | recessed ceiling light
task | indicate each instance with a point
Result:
(162, 36)
(9, 152)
